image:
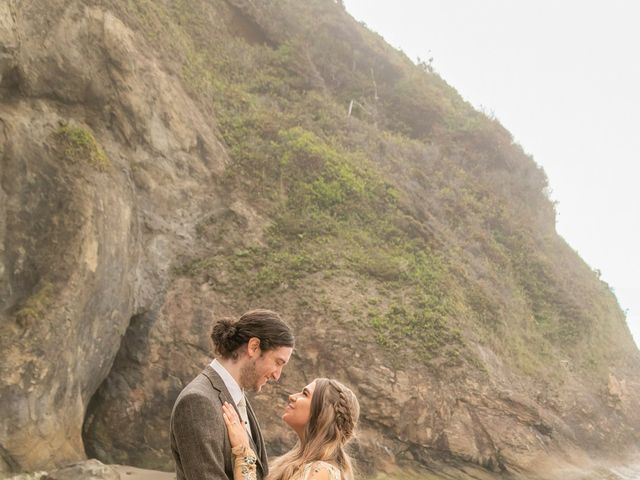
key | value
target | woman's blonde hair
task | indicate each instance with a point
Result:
(332, 422)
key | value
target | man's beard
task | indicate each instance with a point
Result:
(249, 377)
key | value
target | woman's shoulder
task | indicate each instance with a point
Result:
(321, 471)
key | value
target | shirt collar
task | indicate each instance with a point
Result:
(230, 382)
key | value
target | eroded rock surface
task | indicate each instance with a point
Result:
(85, 247)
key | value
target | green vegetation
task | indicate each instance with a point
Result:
(79, 145)
(415, 195)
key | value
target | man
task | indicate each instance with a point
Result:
(249, 352)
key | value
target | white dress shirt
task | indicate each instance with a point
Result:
(237, 394)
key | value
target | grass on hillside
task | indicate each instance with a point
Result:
(280, 84)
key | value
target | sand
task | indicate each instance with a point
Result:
(133, 473)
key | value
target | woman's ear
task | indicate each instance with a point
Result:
(253, 347)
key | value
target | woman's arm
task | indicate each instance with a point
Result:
(244, 458)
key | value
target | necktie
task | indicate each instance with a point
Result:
(242, 408)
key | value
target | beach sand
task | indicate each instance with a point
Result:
(133, 473)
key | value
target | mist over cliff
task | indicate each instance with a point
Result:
(166, 163)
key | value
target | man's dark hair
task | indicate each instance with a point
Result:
(229, 334)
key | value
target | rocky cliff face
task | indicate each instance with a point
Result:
(167, 163)
(79, 258)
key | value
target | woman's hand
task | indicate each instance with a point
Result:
(235, 427)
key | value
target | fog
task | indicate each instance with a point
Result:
(563, 78)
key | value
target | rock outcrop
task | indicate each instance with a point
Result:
(164, 165)
(86, 245)
(87, 470)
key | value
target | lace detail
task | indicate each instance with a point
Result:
(314, 467)
(244, 463)
(248, 468)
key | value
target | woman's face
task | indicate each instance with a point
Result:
(298, 409)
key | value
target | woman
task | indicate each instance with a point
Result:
(324, 416)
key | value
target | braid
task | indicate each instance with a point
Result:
(343, 413)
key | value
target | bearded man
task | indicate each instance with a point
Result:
(250, 351)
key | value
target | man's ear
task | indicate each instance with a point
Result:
(253, 347)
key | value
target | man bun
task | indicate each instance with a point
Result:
(224, 337)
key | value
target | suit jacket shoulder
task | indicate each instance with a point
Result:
(199, 442)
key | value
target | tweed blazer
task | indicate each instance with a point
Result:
(199, 440)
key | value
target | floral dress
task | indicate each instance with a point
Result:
(314, 467)
(244, 467)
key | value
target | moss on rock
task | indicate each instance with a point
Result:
(79, 144)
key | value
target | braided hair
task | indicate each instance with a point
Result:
(332, 424)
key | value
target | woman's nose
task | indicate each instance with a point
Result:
(292, 397)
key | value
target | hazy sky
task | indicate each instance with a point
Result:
(564, 78)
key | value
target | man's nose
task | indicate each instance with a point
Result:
(277, 373)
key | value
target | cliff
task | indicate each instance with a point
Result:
(164, 163)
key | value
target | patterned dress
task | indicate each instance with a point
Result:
(244, 461)
(314, 467)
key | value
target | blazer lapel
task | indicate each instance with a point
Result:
(258, 441)
(257, 444)
(218, 384)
